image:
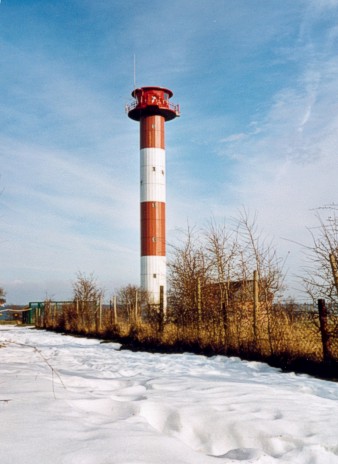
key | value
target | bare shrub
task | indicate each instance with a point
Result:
(87, 296)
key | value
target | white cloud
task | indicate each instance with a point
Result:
(234, 137)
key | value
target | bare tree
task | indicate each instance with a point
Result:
(223, 280)
(85, 288)
(133, 302)
(189, 273)
(87, 295)
(222, 247)
(260, 270)
(321, 279)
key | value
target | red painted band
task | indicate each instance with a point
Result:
(152, 131)
(153, 228)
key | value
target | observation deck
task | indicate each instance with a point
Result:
(151, 101)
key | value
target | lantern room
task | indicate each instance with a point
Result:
(152, 101)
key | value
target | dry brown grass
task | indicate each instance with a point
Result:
(278, 334)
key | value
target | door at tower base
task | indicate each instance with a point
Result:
(153, 276)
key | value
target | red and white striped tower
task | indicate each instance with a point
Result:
(152, 108)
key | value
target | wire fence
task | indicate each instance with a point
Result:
(290, 332)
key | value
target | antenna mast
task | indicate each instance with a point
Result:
(134, 71)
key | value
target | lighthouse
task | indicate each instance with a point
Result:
(151, 108)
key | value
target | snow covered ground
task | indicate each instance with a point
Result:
(76, 401)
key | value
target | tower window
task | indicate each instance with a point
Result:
(154, 275)
(154, 169)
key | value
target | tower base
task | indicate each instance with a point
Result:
(153, 276)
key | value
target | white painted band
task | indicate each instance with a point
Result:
(153, 276)
(152, 174)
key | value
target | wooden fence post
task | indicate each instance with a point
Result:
(255, 303)
(333, 263)
(115, 309)
(100, 314)
(199, 302)
(136, 306)
(161, 314)
(322, 311)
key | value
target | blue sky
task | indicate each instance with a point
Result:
(257, 82)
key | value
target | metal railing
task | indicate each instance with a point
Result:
(162, 104)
